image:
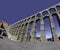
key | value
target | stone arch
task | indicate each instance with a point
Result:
(31, 22)
(47, 28)
(52, 10)
(28, 35)
(56, 23)
(37, 20)
(26, 24)
(31, 25)
(22, 25)
(38, 29)
(24, 20)
(17, 29)
(44, 13)
(45, 17)
(33, 17)
(38, 15)
(55, 14)
(24, 30)
(58, 7)
(28, 18)
(19, 32)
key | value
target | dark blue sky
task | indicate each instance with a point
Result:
(13, 10)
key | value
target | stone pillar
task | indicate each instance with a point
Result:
(16, 31)
(13, 32)
(27, 34)
(22, 34)
(33, 36)
(19, 32)
(43, 37)
(57, 12)
(10, 30)
(58, 15)
(54, 35)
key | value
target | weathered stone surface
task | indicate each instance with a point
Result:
(6, 44)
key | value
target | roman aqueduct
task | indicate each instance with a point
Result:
(20, 31)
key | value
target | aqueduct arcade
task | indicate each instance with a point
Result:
(20, 30)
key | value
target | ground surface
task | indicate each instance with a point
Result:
(6, 44)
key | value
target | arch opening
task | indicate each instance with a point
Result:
(38, 15)
(48, 32)
(38, 33)
(31, 26)
(44, 13)
(52, 10)
(55, 19)
(33, 16)
(56, 16)
(58, 7)
(38, 29)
